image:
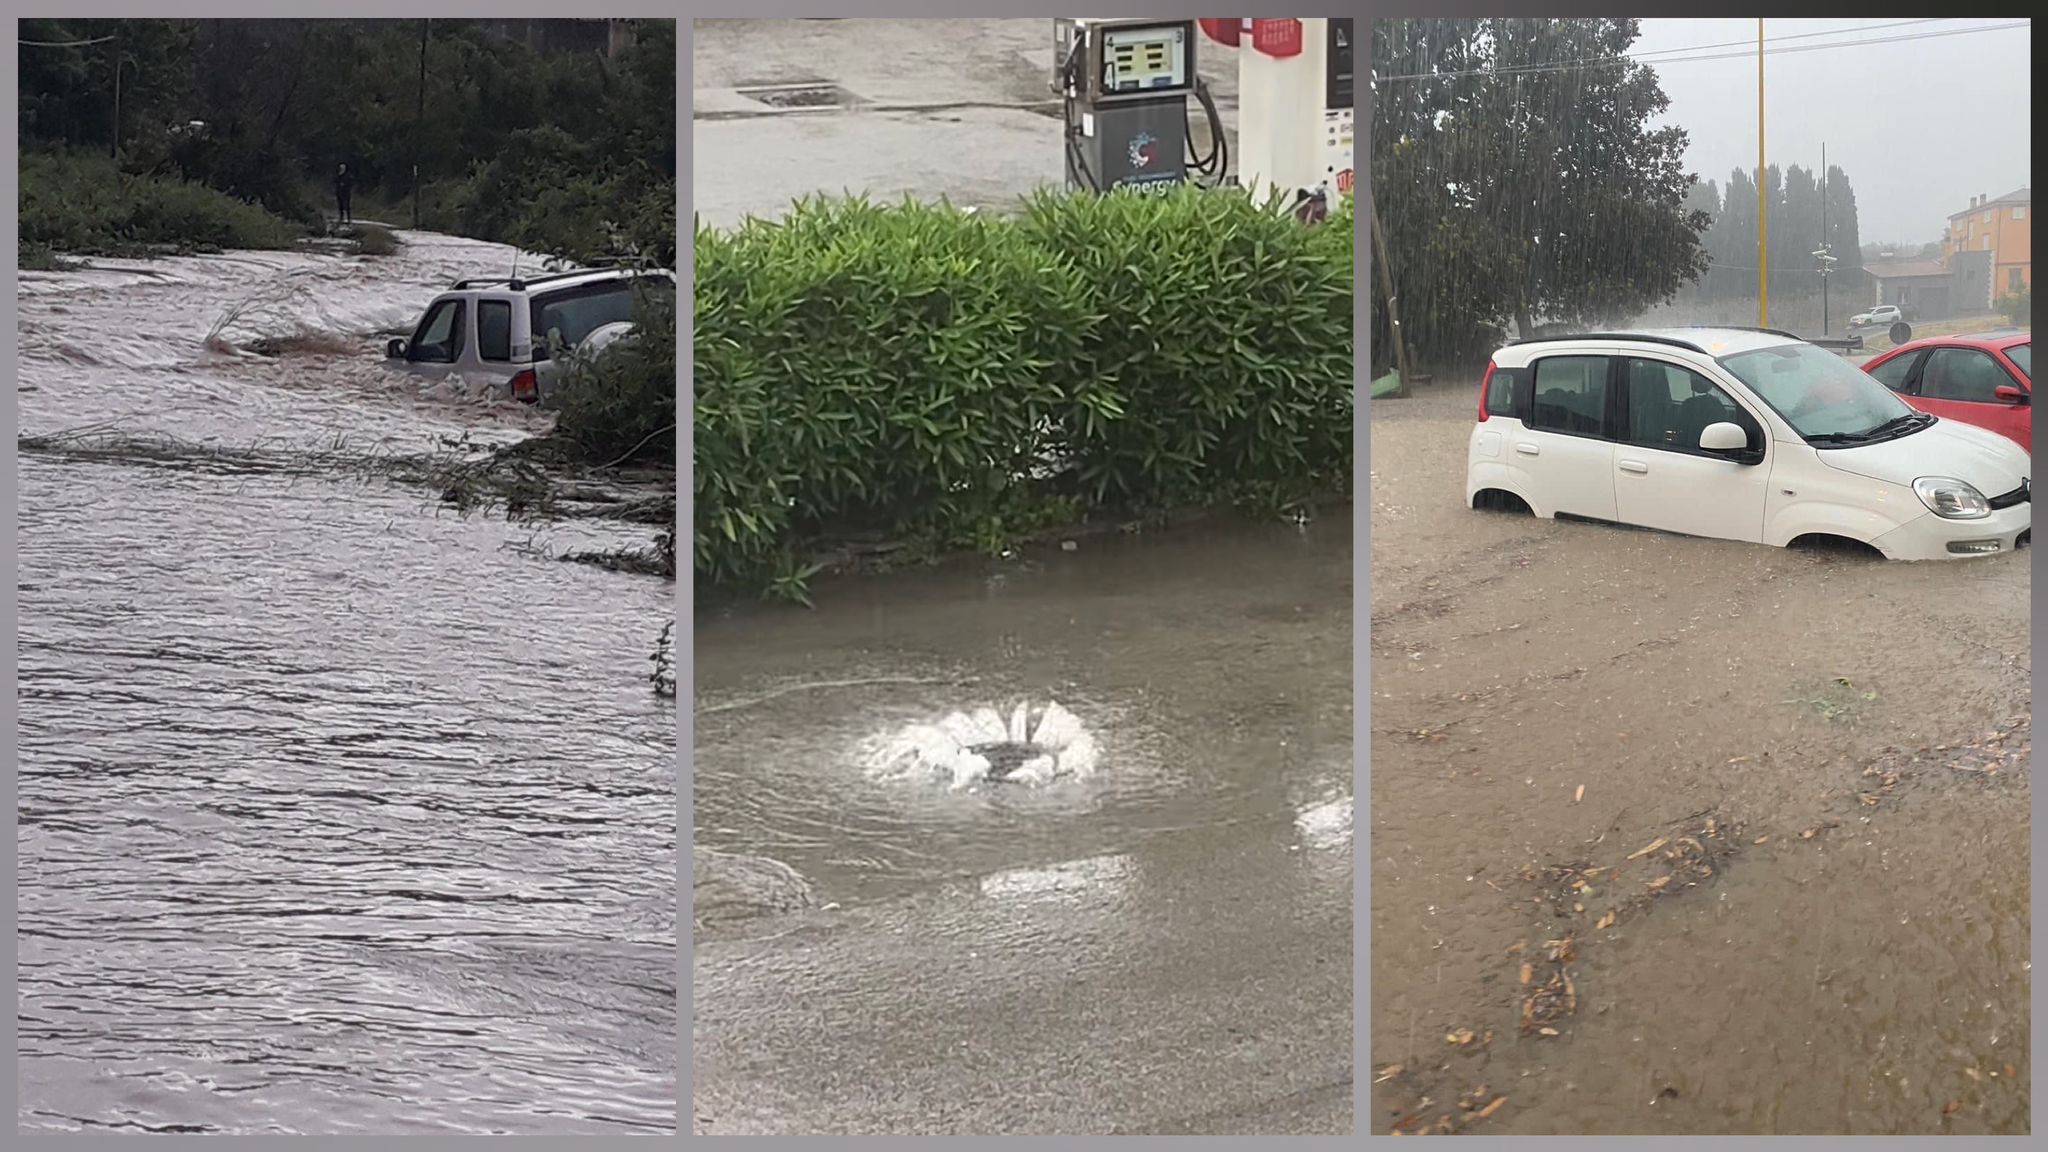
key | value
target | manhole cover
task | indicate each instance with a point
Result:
(801, 96)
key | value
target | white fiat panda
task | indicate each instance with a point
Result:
(1741, 434)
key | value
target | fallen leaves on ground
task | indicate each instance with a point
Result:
(1646, 849)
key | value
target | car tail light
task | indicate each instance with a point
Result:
(526, 387)
(1485, 385)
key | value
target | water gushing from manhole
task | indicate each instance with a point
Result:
(1036, 744)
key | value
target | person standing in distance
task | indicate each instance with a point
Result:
(343, 185)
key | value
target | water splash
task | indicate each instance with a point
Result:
(1035, 745)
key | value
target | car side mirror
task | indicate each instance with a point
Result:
(395, 350)
(2010, 394)
(1723, 437)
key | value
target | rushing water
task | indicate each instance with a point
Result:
(338, 812)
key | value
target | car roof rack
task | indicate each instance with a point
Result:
(1641, 337)
(521, 283)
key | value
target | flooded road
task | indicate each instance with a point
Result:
(1159, 945)
(338, 812)
(1757, 823)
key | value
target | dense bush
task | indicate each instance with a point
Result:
(86, 205)
(621, 407)
(953, 379)
(2017, 306)
(1221, 365)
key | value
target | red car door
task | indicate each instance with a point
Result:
(1962, 383)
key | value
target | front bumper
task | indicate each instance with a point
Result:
(1930, 537)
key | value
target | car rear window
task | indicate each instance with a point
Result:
(577, 312)
(1504, 391)
(575, 315)
(2022, 356)
(494, 329)
(1571, 395)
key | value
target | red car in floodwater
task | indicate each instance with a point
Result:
(1985, 379)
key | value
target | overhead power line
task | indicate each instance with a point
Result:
(1600, 61)
(64, 43)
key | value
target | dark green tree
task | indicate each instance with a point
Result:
(1518, 176)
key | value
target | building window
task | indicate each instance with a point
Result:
(2019, 213)
(1987, 218)
(2012, 279)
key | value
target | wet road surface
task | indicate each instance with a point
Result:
(338, 813)
(1161, 947)
(961, 108)
(1829, 755)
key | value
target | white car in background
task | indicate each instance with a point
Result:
(1738, 434)
(511, 329)
(1881, 315)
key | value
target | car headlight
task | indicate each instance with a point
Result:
(1951, 499)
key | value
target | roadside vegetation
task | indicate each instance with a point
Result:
(905, 380)
(2017, 306)
(565, 152)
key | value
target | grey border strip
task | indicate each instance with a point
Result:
(10, 368)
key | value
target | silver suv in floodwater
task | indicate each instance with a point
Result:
(523, 331)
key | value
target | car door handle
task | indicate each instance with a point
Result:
(1528, 449)
(1634, 466)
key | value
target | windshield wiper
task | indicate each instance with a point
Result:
(1910, 420)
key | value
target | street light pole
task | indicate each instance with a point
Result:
(1763, 276)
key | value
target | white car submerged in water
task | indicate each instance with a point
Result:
(1738, 434)
(525, 331)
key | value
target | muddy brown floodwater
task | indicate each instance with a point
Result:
(1825, 758)
(1161, 947)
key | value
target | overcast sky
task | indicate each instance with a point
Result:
(1919, 126)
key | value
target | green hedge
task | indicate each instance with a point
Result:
(961, 380)
(86, 205)
(2017, 306)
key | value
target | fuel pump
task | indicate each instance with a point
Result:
(1294, 107)
(1125, 86)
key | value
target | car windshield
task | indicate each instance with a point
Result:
(1817, 392)
(2022, 357)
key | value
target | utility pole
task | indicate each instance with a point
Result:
(1763, 275)
(115, 45)
(1826, 248)
(419, 122)
(1379, 260)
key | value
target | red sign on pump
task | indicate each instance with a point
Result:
(1222, 31)
(1277, 38)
